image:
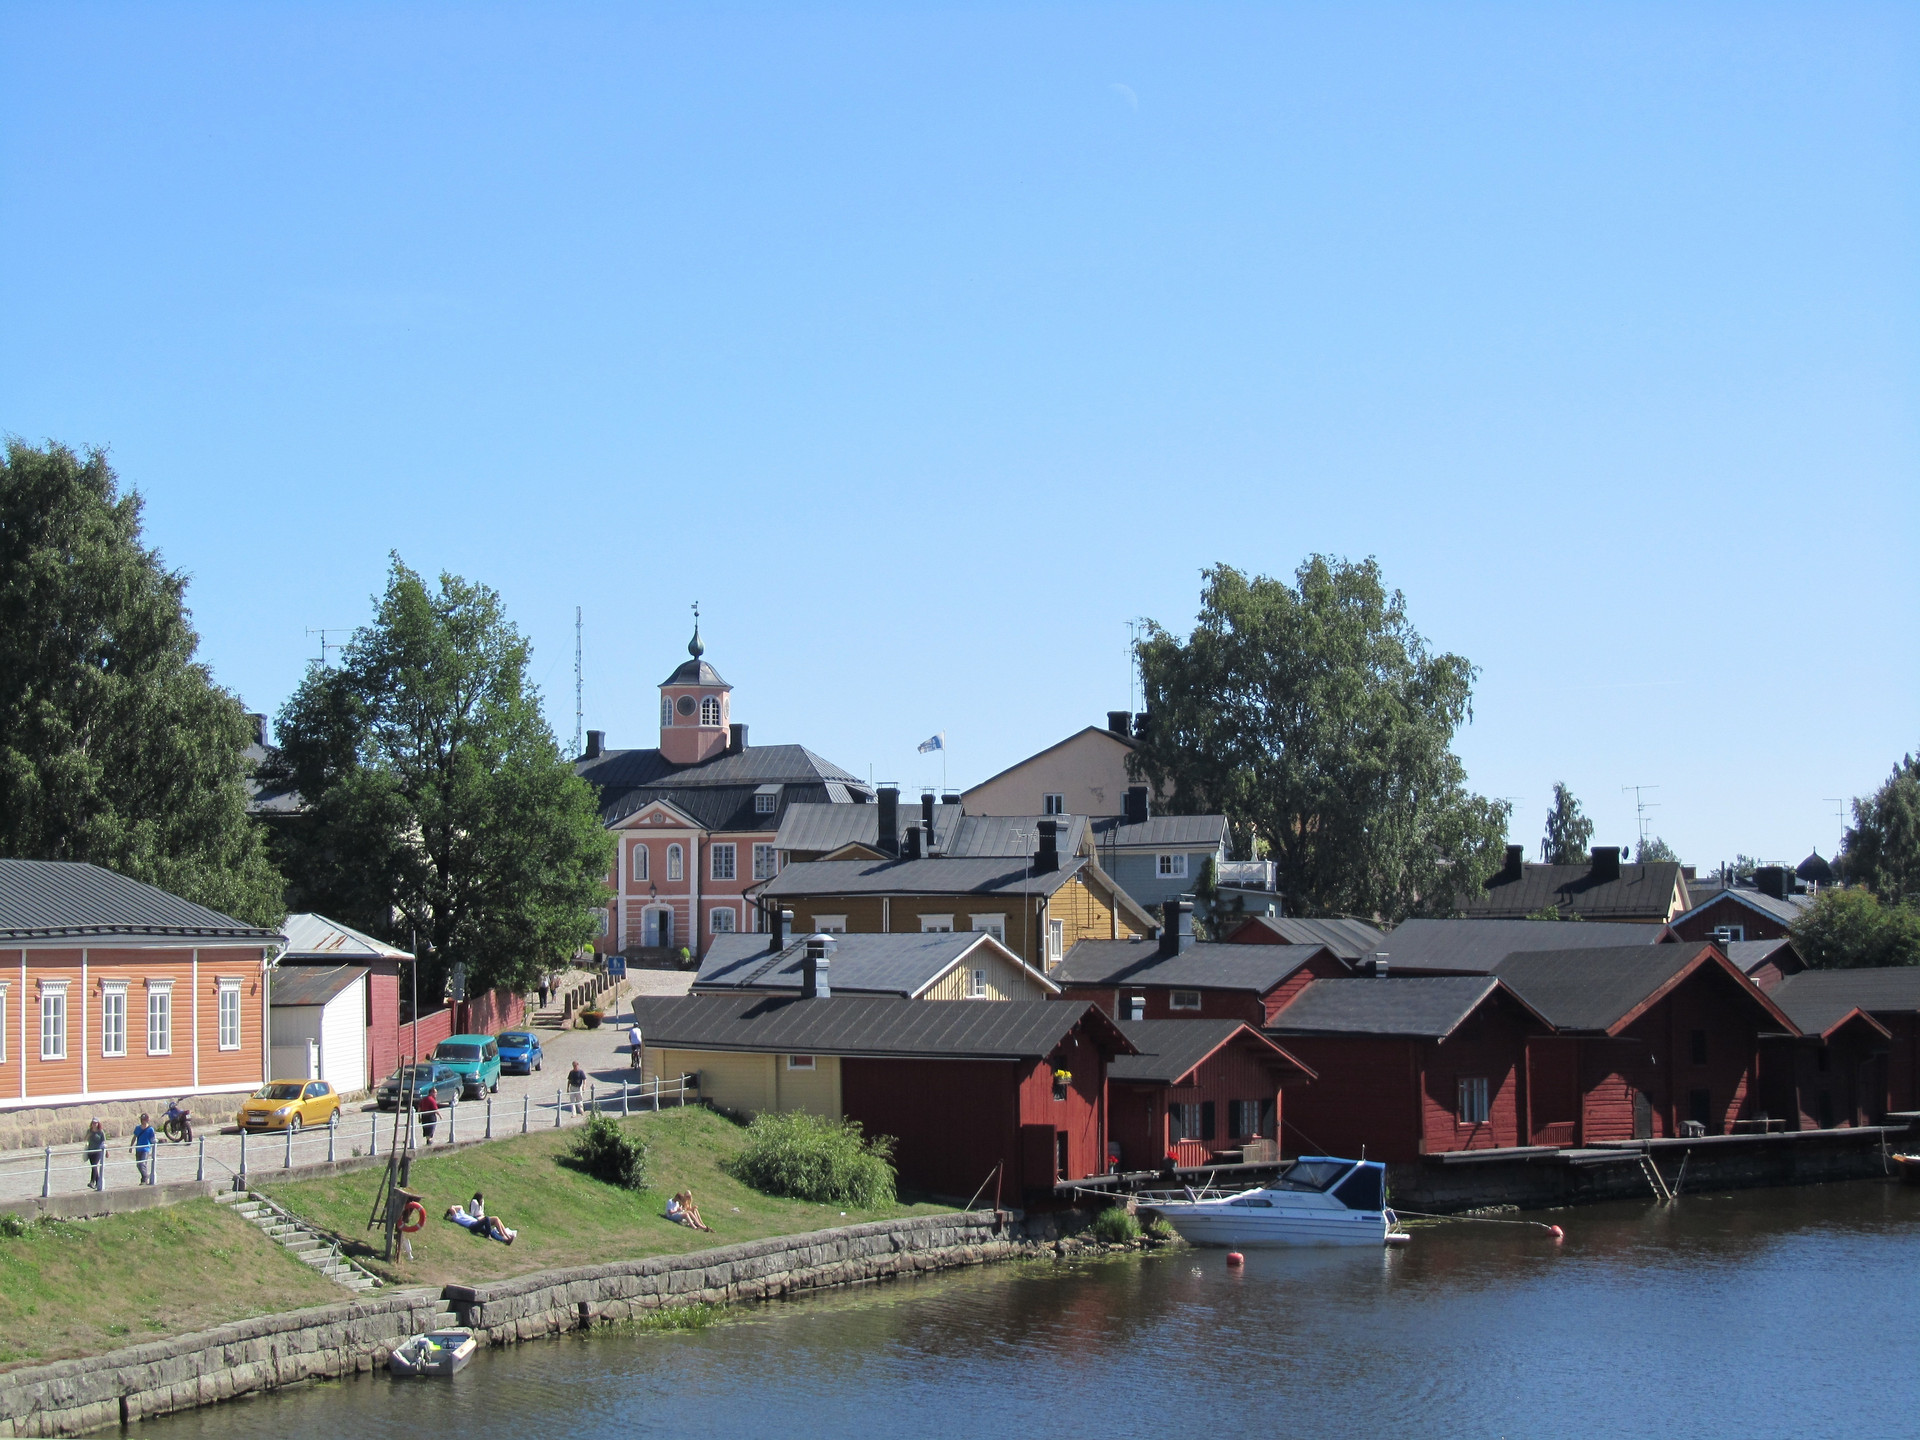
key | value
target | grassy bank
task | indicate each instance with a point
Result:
(564, 1217)
(80, 1288)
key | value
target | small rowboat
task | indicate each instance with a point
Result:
(438, 1352)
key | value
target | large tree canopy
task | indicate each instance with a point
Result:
(115, 746)
(1313, 716)
(1852, 929)
(439, 810)
(1881, 849)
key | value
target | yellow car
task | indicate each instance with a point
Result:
(289, 1105)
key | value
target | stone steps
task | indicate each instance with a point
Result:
(306, 1244)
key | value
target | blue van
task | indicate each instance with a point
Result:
(474, 1058)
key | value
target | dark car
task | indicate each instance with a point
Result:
(520, 1052)
(445, 1083)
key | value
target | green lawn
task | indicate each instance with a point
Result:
(566, 1218)
(79, 1288)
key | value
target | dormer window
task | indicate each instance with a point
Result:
(710, 711)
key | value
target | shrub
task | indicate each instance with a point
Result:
(1117, 1225)
(14, 1227)
(604, 1152)
(811, 1157)
(1161, 1229)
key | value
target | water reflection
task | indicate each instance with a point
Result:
(1646, 1321)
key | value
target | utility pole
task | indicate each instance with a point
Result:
(579, 711)
(1640, 808)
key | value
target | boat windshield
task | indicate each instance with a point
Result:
(1314, 1175)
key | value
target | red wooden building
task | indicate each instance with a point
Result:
(1891, 996)
(1156, 980)
(1351, 940)
(1647, 1038)
(1739, 914)
(1408, 1066)
(1010, 1095)
(1201, 1091)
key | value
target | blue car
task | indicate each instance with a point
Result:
(520, 1052)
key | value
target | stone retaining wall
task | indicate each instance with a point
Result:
(72, 1397)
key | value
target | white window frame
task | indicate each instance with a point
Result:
(3, 1022)
(731, 853)
(1184, 1000)
(53, 1001)
(223, 989)
(1476, 1100)
(1171, 866)
(676, 863)
(802, 1062)
(1730, 934)
(1056, 941)
(666, 710)
(936, 924)
(160, 1006)
(829, 924)
(994, 925)
(1053, 804)
(1136, 1007)
(113, 1019)
(640, 863)
(719, 912)
(766, 862)
(710, 712)
(977, 984)
(765, 804)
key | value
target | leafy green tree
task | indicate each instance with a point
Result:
(116, 747)
(1853, 928)
(1314, 717)
(1568, 831)
(439, 807)
(1881, 850)
(1655, 849)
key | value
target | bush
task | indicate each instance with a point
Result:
(604, 1152)
(1117, 1225)
(14, 1227)
(1855, 929)
(1161, 1229)
(810, 1157)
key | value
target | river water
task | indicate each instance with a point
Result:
(1762, 1313)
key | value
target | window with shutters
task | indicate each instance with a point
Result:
(1473, 1100)
(1249, 1119)
(766, 862)
(229, 1015)
(721, 859)
(113, 1018)
(1190, 1120)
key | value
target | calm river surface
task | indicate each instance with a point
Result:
(1764, 1313)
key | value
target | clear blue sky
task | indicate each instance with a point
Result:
(926, 346)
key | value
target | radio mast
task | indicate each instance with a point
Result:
(579, 711)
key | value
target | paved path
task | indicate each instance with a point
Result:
(529, 1098)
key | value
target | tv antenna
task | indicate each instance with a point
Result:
(326, 644)
(1640, 807)
(1135, 629)
(1839, 803)
(579, 710)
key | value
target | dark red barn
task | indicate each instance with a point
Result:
(1200, 1090)
(1890, 995)
(1154, 980)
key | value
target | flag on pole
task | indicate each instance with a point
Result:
(934, 742)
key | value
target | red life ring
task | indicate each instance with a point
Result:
(413, 1216)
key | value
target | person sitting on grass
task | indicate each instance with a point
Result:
(490, 1226)
(682, 1209)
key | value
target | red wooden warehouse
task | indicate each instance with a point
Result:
(1891, 995)
(1201, 1091)
(1157, 980)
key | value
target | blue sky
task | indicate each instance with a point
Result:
(926, 346)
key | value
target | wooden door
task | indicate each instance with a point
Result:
(1642, 1115)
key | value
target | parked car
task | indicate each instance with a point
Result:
(476, 1058)
(427, 1075)
(520, 1052)
(288, 1105)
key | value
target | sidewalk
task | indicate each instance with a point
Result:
(215, 1154)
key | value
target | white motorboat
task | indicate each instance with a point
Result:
(438, 1352)
(1317, 1200)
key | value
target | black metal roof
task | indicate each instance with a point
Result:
(938, 876)
(313, 984)
(1161, 832)
(1349, 939)
(1169, 1049)
(864, 1026)
(1576, 889)
(902, 965)
(1594, 990)
(1817, 998)
(716, 793)
(1750, 955)
(1421, 1006)
(1478, 946)
(66, 899)
(819, 829)
(1202, 966)
(696, 672)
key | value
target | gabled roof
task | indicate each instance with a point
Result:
(311, 936)
(1124, 741)
(1349, 939)
(820, 829)
(1603, 991)
(901, 965)
(1478, 946)
(1647, 890)
(938, 876)
(66, 899)
(1749, 955)
(1161, 832)
(313, 984)
(862, 1026)
(1824, 995)
(1203, 966)
(1419, 1006)
(1785, 911)
(1170, 1050)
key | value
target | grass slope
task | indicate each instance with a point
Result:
(80, 1288)
(564, 1217)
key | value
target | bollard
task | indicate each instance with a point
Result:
(625, 1090)
(243, 1154)
(289, 1162)
(556, 1109)
(453, 1112)
(373, 1134)
(331, 1128)
(200, 1170)
(46, 1173)
(526, 1111)
(489, 1117)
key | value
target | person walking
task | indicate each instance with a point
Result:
(546, 988)
(429, 1108)
(576, 1082)
(96, 1155)
(633, 1046)
(142, 1148)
